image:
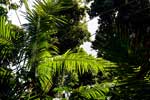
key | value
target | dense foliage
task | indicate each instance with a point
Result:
(123, 36)
(42, 59)
(31, 67)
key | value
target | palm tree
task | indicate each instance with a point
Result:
(40, 72)
(11, 50)
(47, 68)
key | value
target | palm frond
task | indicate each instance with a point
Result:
(5, 32)
(4, 29)
(6, 44)
(94, 92)
(69, 62)
(44, 14)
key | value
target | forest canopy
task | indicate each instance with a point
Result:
(43, 59)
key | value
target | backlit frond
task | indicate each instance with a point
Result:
(4, 29)
(69, 62)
